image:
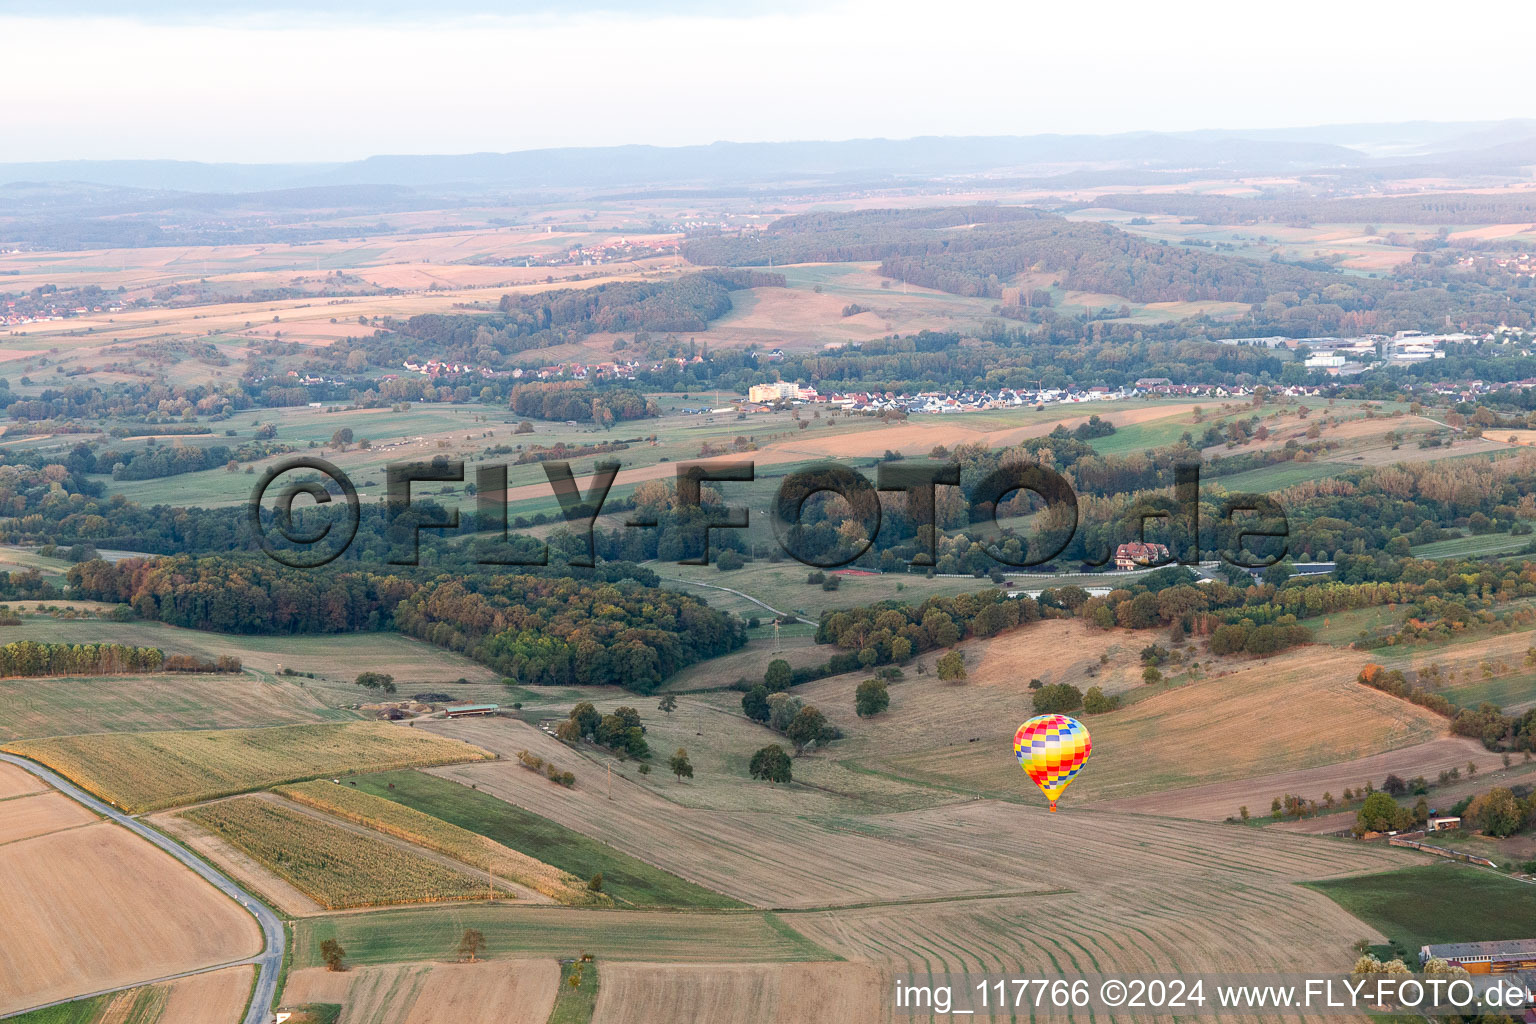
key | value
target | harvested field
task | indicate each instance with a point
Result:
(218, 997)
(490, 992)
(1221, 800)
(435, 834)
(18, 782)
(432, 933)
(57, 707)
(154, 770)
(97, 907)
(741, 993)
(967, 849)
(1213, 730)
(28, 816)
(332, 865)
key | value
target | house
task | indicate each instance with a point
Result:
(1442, 824)
(1504, 957)
(466, 710)
(1136, 555)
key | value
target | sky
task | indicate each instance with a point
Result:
(333, 80)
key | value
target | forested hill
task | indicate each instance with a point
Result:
(976, 250)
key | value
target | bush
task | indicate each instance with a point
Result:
(1096, 703)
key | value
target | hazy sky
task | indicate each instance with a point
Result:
(343, 79)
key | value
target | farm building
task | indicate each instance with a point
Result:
(1138, 556)
(466, 710)
(1442, 823)
(1486, 957)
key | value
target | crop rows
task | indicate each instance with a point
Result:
(331, 864)
(435, 834)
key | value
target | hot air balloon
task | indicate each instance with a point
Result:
(1051, 749)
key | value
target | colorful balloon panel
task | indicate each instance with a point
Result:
(1051, 749)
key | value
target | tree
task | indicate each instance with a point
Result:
(342, 437)
(1058, 698)
(377, 681)
(809, 726)
(595, 883)
(754, 703)
(1393, 785)
(871, 698)
(680, 765)
(333, 955)
(471, 945)
(952, 667)
(668, 703)
(1151, 675)
(1497, 812)
(1380, 813)
(771, 763)
(587, 718)
(779, 675)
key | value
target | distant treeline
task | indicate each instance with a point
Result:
(30, 658)
(575, 401)
(923, 248)
(559, 316)
(1291, 210)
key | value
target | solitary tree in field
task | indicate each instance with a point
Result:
(333, 955)
(771, 763)
(668, 703)
(871, 698)
(680, 764)
(471, 945)
(952, 667)
(595, 883)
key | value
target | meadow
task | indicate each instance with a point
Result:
(334, 866)
(1435, 903)
(150, 771)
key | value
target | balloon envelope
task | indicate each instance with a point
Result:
(1051, 749)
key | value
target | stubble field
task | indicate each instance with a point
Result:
(150, 771)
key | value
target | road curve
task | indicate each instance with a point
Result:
(269, 962)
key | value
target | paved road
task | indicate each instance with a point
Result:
(269, 962)
(775, 612)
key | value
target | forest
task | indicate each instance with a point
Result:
(533, 629)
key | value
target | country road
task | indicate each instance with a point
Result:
(269, 962)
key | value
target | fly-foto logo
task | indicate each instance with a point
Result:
(319, 539)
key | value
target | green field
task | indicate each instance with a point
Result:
(575, 1004)
(1471, 547)
(625, 878)
(81, 1011)
(432, 933)
(1438, 903)
(1505, 691)
(1276, 477)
